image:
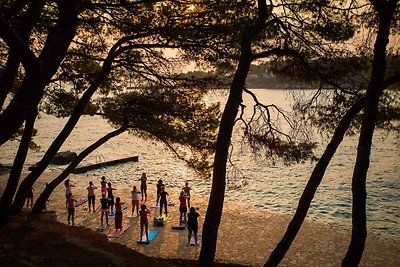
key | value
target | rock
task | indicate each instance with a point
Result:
(62, 158)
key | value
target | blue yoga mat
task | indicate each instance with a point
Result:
(123, 207)
(152, 234)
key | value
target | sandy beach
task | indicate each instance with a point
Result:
(246, 235)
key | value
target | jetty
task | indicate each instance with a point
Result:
(104, 164)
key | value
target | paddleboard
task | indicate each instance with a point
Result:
(118, 233)
(112, 213)
(152, 234)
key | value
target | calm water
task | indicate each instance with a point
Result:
(271, 187)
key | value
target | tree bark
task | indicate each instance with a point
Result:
(63, 135)
(15, 174)
(44, 196)
(359, 217)
(42, 69)
(315, 179)
(216, 201)
(24, 29)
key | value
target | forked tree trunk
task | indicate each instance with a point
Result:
(15, 174)
(315, 180)
(359, 217)
(44, 196)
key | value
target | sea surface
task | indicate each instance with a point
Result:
(263, 184)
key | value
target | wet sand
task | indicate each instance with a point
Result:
(246, 236)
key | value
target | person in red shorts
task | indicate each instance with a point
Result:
(118, 214)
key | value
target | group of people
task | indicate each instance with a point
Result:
(108, 205)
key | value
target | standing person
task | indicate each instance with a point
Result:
(159, 185)
(187, 189)
(91, 195)
(71, 208)
(110, 197)
(103, 184)
(143, 186)
(29, 197)
(135, 200)
(118, 214)
(144, 222)
(182, 208)
(68, 190)
(163, 200)
(104, 208)
(192, 225)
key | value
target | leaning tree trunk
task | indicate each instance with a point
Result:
(216, 201)
(44, 196)
(31, 178)
(15, 174)
(24, 29)
(315, 179)
(359, 216)
(42, 68)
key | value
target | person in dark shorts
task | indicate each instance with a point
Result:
(159, 185)
(91, 195)
(71, 208)
(193, 225)
(143, 186)
(29, 197)
(144, 222)
(163, 200)
(110, 197)
(104, 208)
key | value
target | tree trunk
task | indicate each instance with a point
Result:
(44, 196)
(62, 136)
(15, 174)
(24, 29)
(31, 91)
(215, 204)
(216, 201)
(315, 179)
(359, 217)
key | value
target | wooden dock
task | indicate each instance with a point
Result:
(104, 164)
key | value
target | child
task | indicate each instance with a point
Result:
(68, 190)
(182, 207)
(159, 185)
(91, 195)
(103, 184)
(110, 197)
(104, 208)
(187, 189)
(163, 200)
(144, 222)
(135, 200)
(118, 214)
(143, 186)
(71, 208)
(29, 197)
(192, 225)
